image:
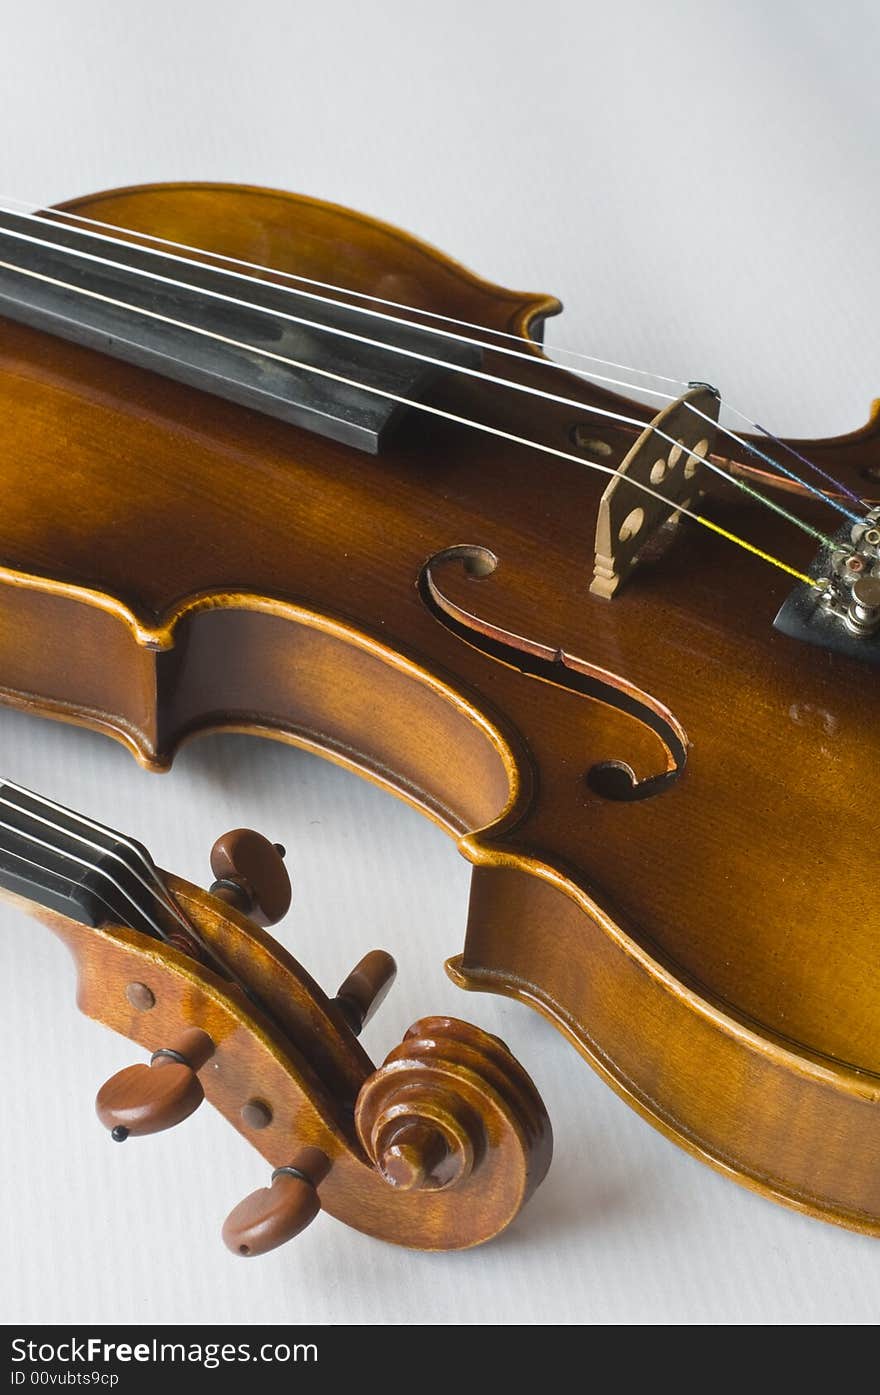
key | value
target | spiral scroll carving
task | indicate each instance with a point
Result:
(447, 1100)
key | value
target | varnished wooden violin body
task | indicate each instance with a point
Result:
(423, 616)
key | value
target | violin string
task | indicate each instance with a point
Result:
(22, 210)
(83, 862)
(481, 343)
(158, 890)
(41, 867)
(778, 465)
(431, 410)
(805, 460)
(480, 374)
(588, 375)
(155, 886)
(25, 209)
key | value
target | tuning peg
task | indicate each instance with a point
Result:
(366, 988)
(275, 1214)
(251, 875)
(147, 1099)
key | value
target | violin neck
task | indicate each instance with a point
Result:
(242, 337)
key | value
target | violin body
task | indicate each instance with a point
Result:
(174, 564)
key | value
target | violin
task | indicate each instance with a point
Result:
(276, 467)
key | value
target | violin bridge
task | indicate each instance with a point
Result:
(667, 457)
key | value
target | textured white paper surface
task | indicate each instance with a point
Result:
(698, 182)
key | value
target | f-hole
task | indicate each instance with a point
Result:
(610, 779)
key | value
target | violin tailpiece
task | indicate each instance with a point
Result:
(841, 611)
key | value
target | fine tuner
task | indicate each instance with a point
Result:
(438, 1148)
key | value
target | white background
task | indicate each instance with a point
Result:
(698, 182)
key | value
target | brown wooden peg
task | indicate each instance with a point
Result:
(251, 875)
(275, 1214)
(148, 1099)
(366, 988)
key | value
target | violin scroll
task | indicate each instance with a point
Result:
(439, 1148)
(443, 1097)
